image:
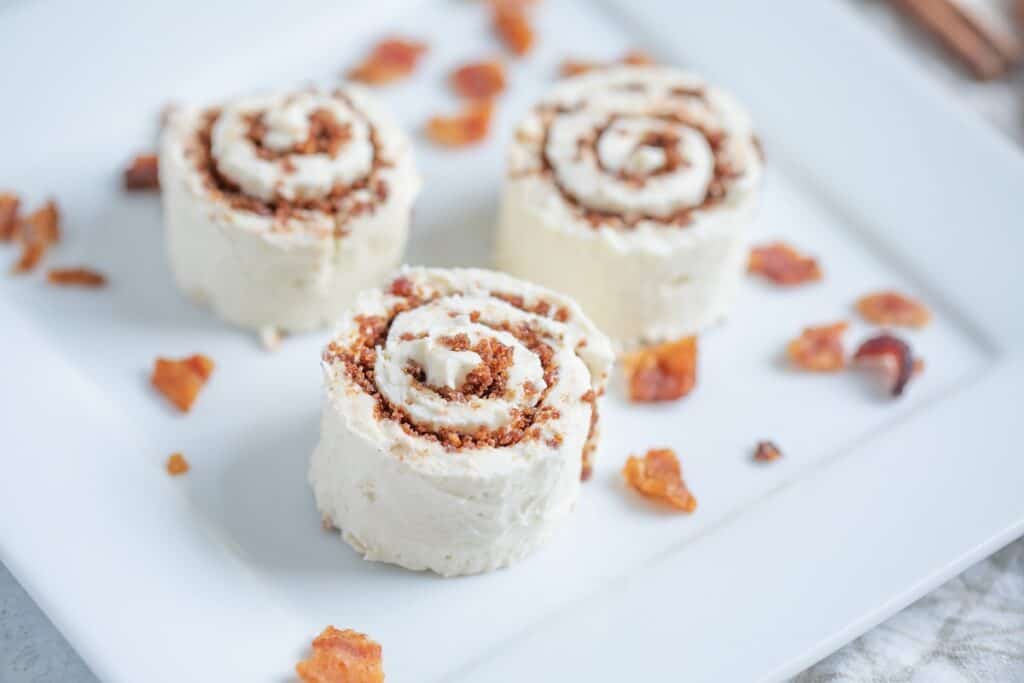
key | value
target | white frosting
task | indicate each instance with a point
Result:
(402, 497)
(299, 273)
(609, 139)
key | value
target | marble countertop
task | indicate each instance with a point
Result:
(970, 629)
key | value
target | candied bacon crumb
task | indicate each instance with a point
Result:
(658, 476)
(143, 173)
(177, 465)
(342, 657)
(38, 231)
(891, 354)
(513, 25)
(402, 286)
(664, 372)
(637, 58)
(892, 308)
(479, 80)
(819, 349)
(766, 451)
(468, 127)
(783, 265)
(76, 277)
(181, 380)
(9, 203)
(390, 60)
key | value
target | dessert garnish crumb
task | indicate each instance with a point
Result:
(479, 80)
(342, 657)
(76, 277)
(819, 349)
(512, 25)
(575, 67)
(181, 380)
(658, 476)
(142, 173)
(893, 356)
(177, 465)
(390, 60)
(767, 451)
(889, 307)
(783, 265)
(37, 232)
(468, 127)
(665, 372)
(9, 203)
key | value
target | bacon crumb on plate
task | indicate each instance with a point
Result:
(479, 80)
(177, 465)
(390, 60)
(143, 173)
(342, 657)
(893, 356)
(9, 203)
(766, 451)
(181, 380)
(76, 277)
(889, 307)
(819, 349)
(783, 265)
(658, 476)
(512, 25)
(468, 127)
(665, 372)
(37, 232)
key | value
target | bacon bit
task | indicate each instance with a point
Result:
(468, 127)
(402, 286)
(80, 277)
(513, 26)
(181, 380)
(9, 204)
(637, 58)
(665, 372)
(479, 80)
(767, 451)
(893, 308)
(177, 465)
(143, 174)
(783, 265)
(390, 60)
(658, 476)
(342, 657)
(891, 354)
(39, 230)
(819, 349)
(575, 67)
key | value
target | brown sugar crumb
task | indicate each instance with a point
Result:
(892, 308)
(783, 265)
(575, 67)
(468, 127)
(9, 204)
(177, 465)
(342, 657)
(766, 451)
(143, 173)
(513, 25)
(819, 349)
(181, 380)
(390, 60)
(76, 277)
(487, 379)
(479, 80)
(658, 476)
(38, 231)
(665, 372)
(893, 356)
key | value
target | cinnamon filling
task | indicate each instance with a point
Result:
(326, 136)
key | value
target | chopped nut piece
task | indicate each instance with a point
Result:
(479, 80)
(143, 174)
(893, 308)
(819, 349)
(177, 465)
(390, 60)
(783, 265)
(891, 354)
(767, 451)
(665, 372)
(181, 380)
(342, 657)
(658, 476)
(9, 203)
(468, 127)
(76, 277)
(39, 230)
(512, 25)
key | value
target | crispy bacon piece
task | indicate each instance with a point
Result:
(892, 355)
(9, 203)
(819, 349)
(177, 465)
(390, 60)
(143, 173)
(513, 25)
(38, 231)
(665, 372)
(479, 80)
(468, 127)
(342, 657)
(181, 380)
(575, 67)
(783, 265)
(636, 58)
(658, 476)
(892, 308)
(76, 277)
(766, 451)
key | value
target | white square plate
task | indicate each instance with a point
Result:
(226, 574)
